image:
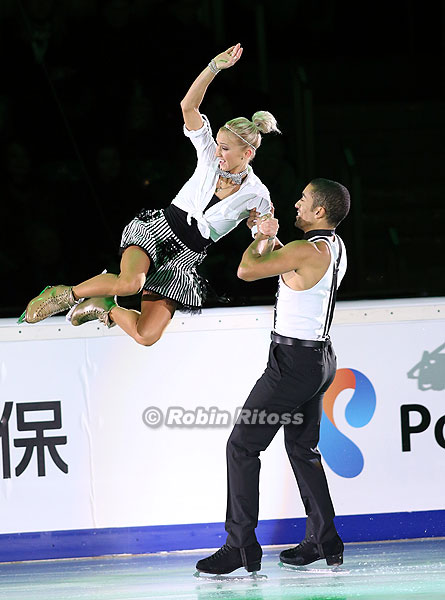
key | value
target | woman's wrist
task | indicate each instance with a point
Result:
(213, 67)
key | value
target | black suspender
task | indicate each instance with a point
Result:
(333, 292)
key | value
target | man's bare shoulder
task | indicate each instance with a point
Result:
(313, 251)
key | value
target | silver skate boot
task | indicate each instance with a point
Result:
(93, 309)
(52, 300)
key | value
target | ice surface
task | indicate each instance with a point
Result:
(378, 571)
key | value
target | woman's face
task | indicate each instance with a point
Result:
(232, 156)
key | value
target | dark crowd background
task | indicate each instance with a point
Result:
(91, 131)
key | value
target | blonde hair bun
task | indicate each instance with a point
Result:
(265, 122)
(248, 133)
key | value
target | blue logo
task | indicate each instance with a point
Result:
(339, 452)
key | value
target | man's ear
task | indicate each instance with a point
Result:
(320, 212)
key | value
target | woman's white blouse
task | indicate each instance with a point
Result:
(196, 194)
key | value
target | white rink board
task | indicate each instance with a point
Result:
(123, 473)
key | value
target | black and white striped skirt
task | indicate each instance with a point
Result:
(172, 272)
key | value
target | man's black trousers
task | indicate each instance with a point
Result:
(294, 381)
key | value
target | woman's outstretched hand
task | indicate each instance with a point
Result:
(229, 57)
(268, 224)
(252, 218)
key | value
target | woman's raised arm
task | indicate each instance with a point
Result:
(193, 98)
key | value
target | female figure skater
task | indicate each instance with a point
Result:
(162, 248)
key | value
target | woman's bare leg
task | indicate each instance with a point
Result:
(145, 327)
(133, 271)
(55, 299)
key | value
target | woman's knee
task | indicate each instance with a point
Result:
(148, 341)
(129, 286)
(148, 337)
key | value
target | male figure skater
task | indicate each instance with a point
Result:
(301, 367)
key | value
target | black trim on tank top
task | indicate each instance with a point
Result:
(316, 232)
(333, 290)
(321, 234)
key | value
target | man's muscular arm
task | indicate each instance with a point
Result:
(259, 261)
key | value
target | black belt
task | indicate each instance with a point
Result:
(289, 341)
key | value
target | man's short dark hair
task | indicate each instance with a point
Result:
(333, 197)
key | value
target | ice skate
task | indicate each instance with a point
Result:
(51, 301)
(308, 552)
(227, 559)
(254, 576)
(93, 309)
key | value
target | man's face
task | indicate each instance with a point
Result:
(305, 215)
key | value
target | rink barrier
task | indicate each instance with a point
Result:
(359, 312)
(167, 538)
(100, 505)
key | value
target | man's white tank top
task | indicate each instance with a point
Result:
(303, 314)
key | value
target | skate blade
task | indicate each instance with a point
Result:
(209, 577)
(22, 318)
(304, 569)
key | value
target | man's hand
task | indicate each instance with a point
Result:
(269, 227)
(229, 57)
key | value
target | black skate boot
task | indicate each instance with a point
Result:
(228, 559)
(308, 552)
